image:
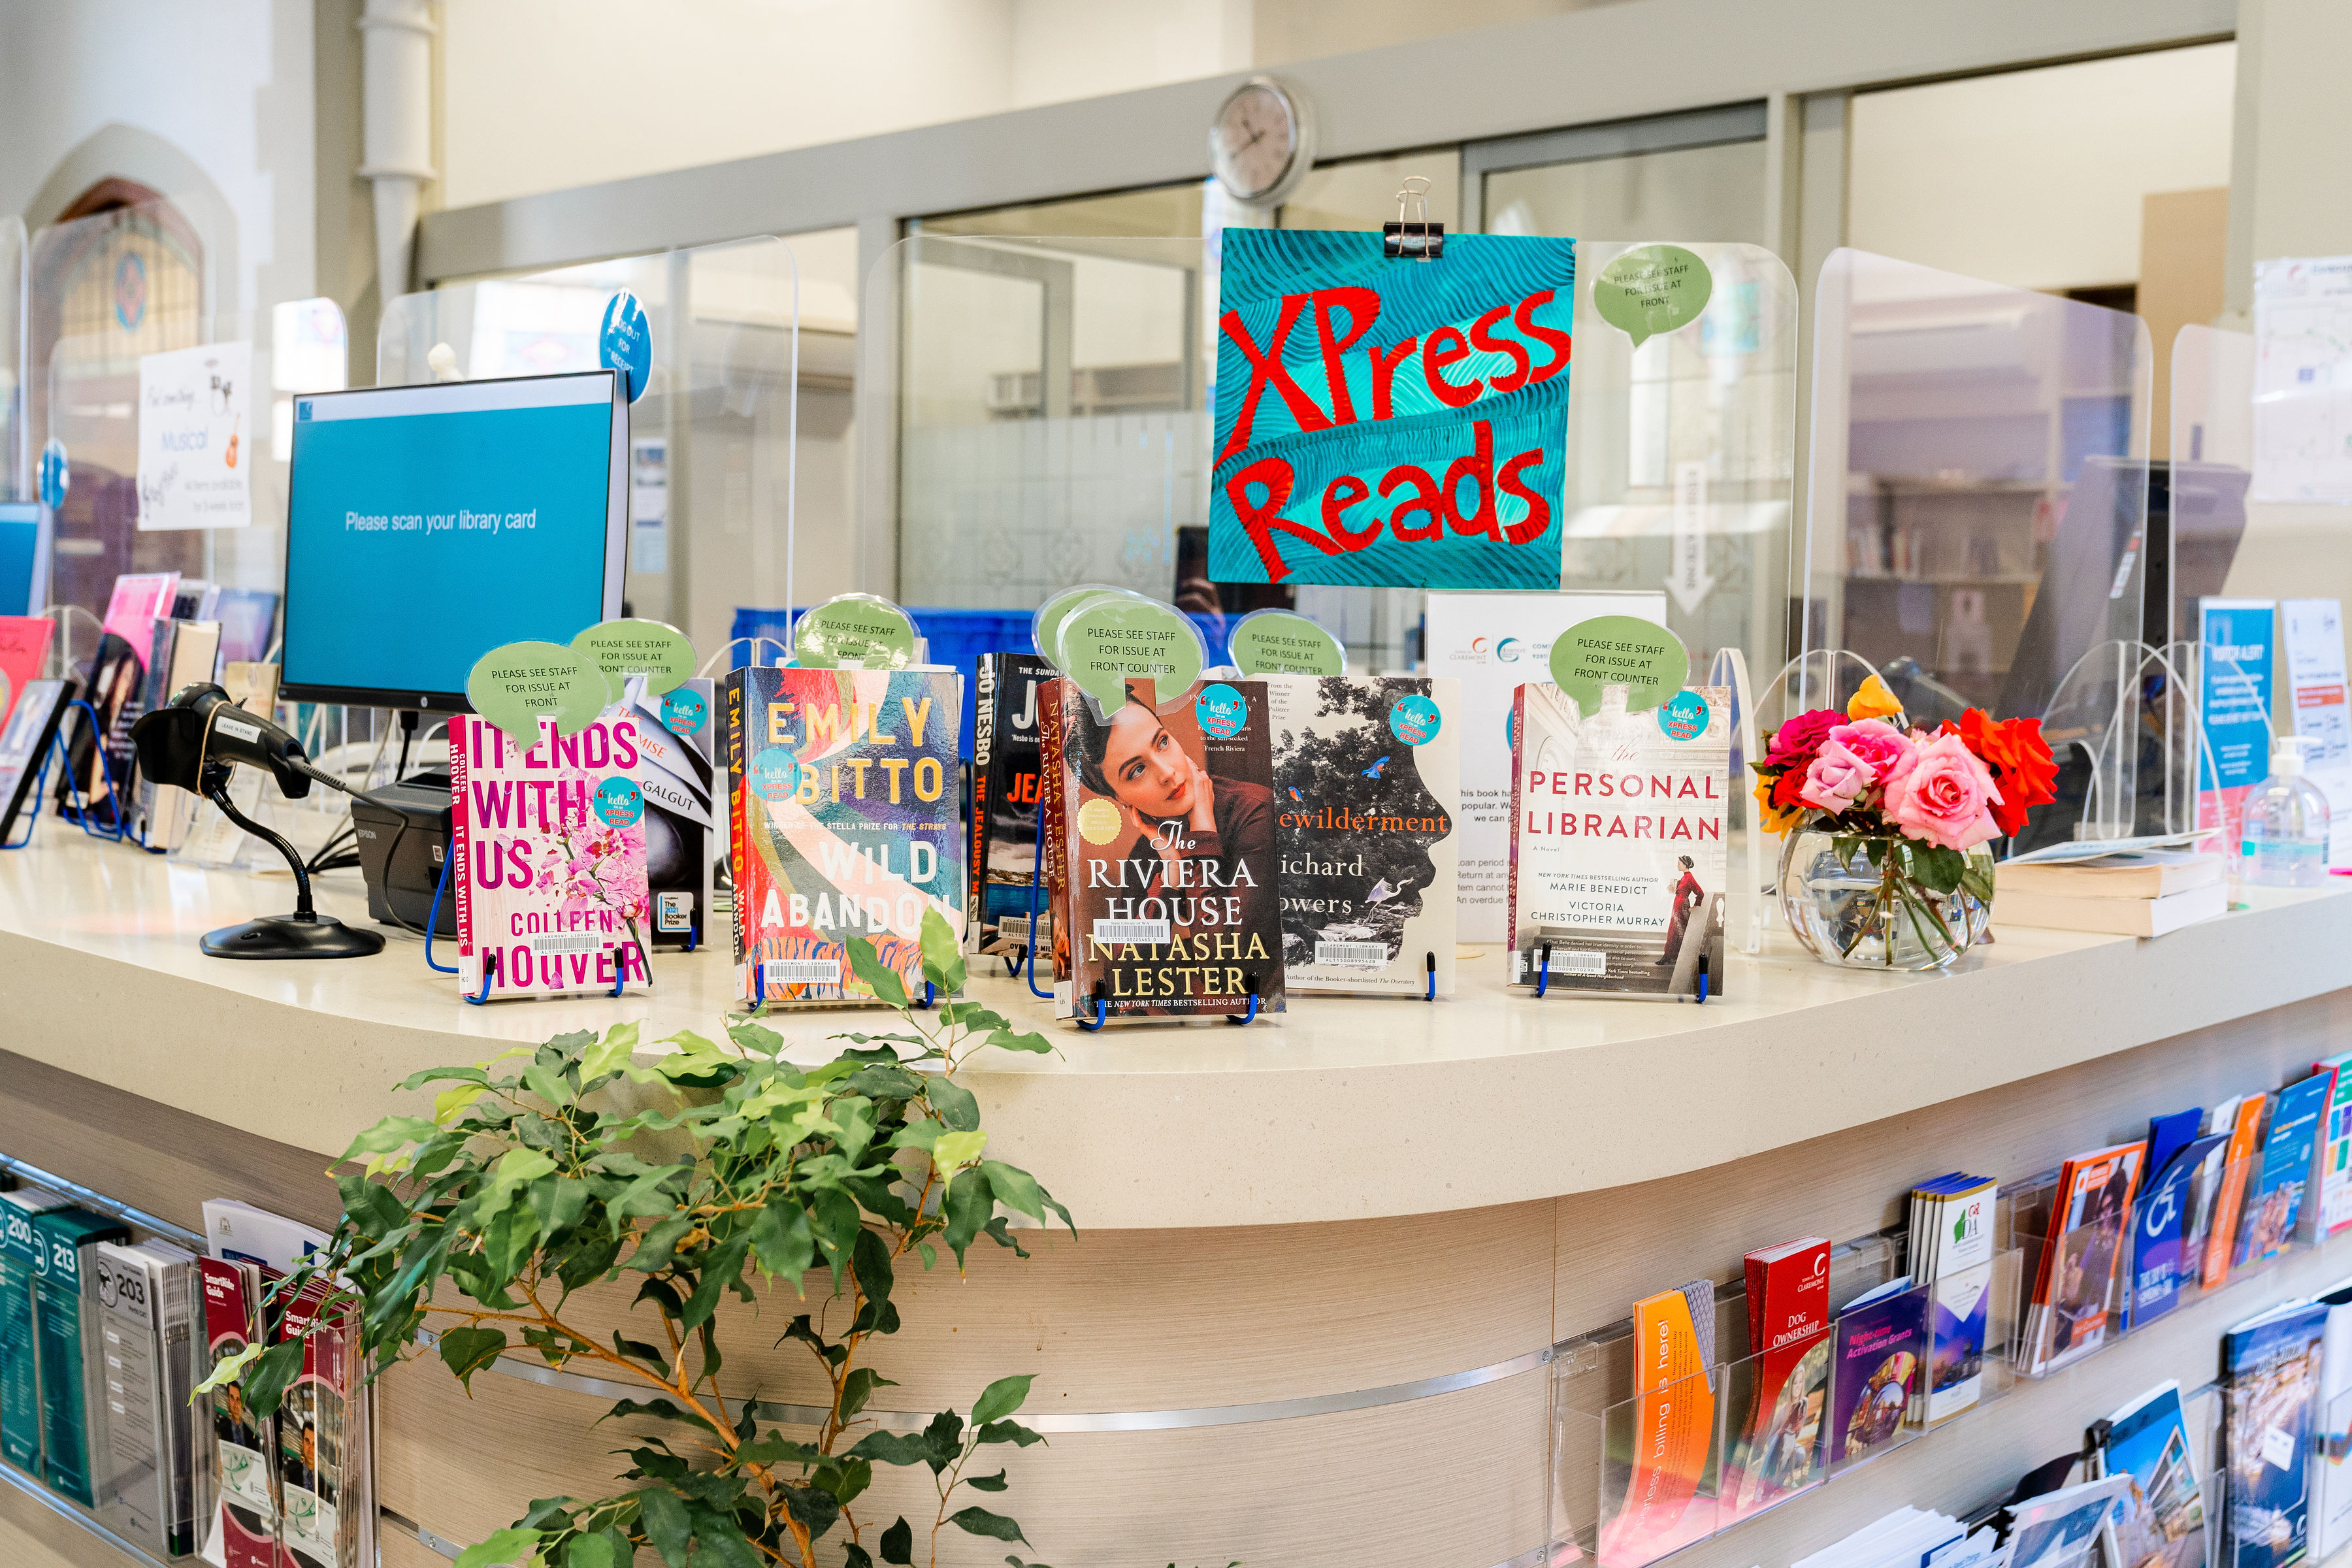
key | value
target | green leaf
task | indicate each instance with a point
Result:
(953, 1151)
(899, 1543)
(1015, 1188)
(995, 1483)
(942, 955)
(1011, 1432)
(812, 1507)
(970, 1205)
(665, 1522)
(589, 1552)
(1001, 1399)
(954, 1103)
(888, 989)
(781, 1240)
(609, 1054)
(468, 1351)
(505, 1546)
(272, 1373)
(661, 1410)
(658, 1246)
(980, 1522)
(547, 1084)
(894, 1448)
(756, 1039)
(391, 1132)
(228, 1369)
(449, 1102)
(1006, 1040)
(859, 1387)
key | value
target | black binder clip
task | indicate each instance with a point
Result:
(1543, 968)
(1102, 1008)
(1701, 996)
(1419, 239)
(490, 973)
(1429, 966)
(620, 967)
(1249, 984)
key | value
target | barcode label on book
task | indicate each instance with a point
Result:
(1353, 954)
(1565, 960)
(801, 971)
(569, 941)
(1122, 932)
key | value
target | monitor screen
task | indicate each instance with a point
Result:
(427, 525)
(20, 558)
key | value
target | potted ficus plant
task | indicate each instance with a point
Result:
(472, 1229)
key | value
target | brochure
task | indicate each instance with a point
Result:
(2164, 1512)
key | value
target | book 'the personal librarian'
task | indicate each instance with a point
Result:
(1366, 788)
(1618, 864)
(550, 858)
(1167, 819)
(845, 824)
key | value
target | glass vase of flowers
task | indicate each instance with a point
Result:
(1886, 865)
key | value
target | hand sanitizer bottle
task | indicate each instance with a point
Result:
(2287, 824)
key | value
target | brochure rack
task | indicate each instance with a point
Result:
(2034, 1202)
(1732, 1461)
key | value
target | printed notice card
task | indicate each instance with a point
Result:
(1391, 422)
(196, 442)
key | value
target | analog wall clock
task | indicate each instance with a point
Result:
(1262, 143)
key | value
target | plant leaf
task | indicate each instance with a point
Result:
(389, 1134)
(995, 1483)
(504, 1546)
(980, 1522)
(666, 1525)
(1000, 1398)
(894, 1448)
(954, 1103)
(1011, 1432)
(468, 1351)
(899, 1543)
(273, 1371)
(954, 1151)
(859, 1387)
(609, 1054)
(888, 989)
(660, 1409)
(589, 1552)
(942, 955)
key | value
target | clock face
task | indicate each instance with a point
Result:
(1255, 140)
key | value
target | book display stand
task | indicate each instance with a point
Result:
(1639, 1475)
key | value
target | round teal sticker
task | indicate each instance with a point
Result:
(1683, 716)
(683, 711)
(1222, 711)
(1414, 719)
(625, 342)
(775, 773)
(619, 803)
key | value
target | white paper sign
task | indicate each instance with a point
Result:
(2303, 379)
(2318, 708)
(1492, 643)
(196, 439)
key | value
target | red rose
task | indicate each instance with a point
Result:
(2022, 767)
(1794, 742)
(1788, 790)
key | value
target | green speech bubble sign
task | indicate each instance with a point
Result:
(516, 686)
(1653, 289)
(1619, 650)
(1045, 625)
(1114, 639)
(655, 650)
(1281, 642)
(854, 631)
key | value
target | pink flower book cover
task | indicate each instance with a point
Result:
(550, 858)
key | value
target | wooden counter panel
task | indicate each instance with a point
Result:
(1331, 1488)
(1160, 1320)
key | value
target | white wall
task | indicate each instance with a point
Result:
(227, 83)
(543, 94)
(2034, 178)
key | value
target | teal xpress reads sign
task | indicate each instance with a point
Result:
(1391, 422)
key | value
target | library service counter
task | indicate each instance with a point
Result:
(1322, 1260)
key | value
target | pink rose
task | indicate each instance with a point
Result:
(1835, 778)
(1945, 796)
(1885, 748)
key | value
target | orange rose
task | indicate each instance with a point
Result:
(1770, 818)
(2022, 767)
(1872, 700)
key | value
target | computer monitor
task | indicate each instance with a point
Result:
(427, 525)
(22, 585)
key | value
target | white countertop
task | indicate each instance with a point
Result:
(1343, 1107)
